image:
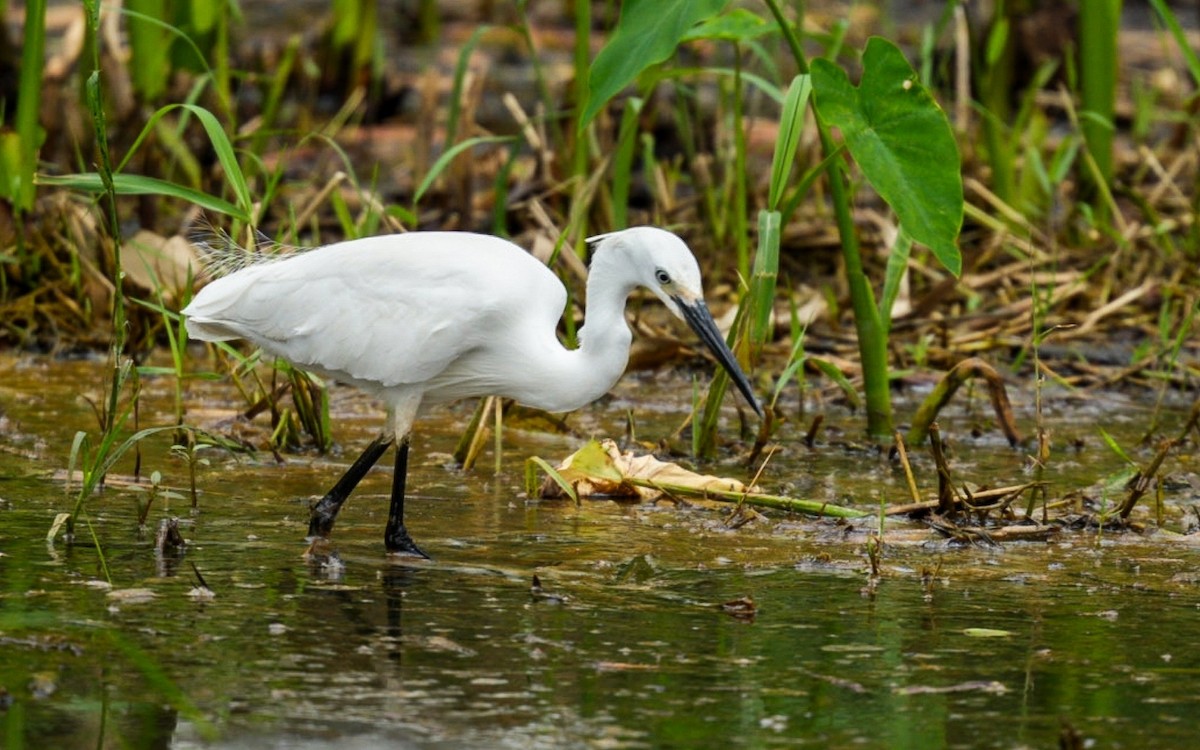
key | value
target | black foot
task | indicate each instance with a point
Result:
(398, 542)
(322, 516)
(322, 553)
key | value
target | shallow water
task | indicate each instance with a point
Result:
(626, 645)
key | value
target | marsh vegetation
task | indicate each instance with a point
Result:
(954, 244)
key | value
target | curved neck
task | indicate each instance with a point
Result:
(604, 338)
(576, 377)
(608, 287)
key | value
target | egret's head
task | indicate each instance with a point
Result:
(661, 262)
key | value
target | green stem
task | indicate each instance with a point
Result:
(995, 81)
(779, 502)
(740, 225)
(872, 335)
(583, 63)
(104, 167)
(222, 78)
(1099, 21)
(28, 105)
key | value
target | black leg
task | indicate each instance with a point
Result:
(396, 537)
(324, 513)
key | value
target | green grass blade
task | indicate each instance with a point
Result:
(1180, 36)
(806, 181)
(766, 271)
(460, 74)
(791, 124)
(143, 23)
(623, 162)
(1115, 447)
(225, 155)
(129, 184)
(448, 155)
(149, 47)
(20, 186)
(78, 457)
(141, 185)
(830, 370)
(897, 264)
(221, 144)
(550, 471)
(275, 92)
(795, 362)
(1099, 24)
(684, 73)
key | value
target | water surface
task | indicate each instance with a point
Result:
(628, 642)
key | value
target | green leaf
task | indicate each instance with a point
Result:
(131, 184)
(550, 471)
(647, 33)
(21, 155)
(682, 73)
(1180, 36)
(149, 47)
(205, 14)
(738, 25)
(1115, 447)
(902, 142)
(996, 42)
(225, 155)
(448, 155)
(897, 264)
(10, 169)
(223, 148)
(460, 76)
(796, 359)
(791, 123)
(766, 271)
(831, 371)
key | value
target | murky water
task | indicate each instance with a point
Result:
(626, 645)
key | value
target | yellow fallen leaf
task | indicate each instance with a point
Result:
(600, 468)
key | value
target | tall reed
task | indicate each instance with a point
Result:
(19, 148)
(1099, 24)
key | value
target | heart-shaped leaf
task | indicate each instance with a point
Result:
(647, 33)
(902, 142)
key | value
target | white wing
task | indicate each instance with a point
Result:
(382, 311)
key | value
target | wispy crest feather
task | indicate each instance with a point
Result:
(220, 254)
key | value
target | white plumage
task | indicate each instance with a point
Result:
(429, 317)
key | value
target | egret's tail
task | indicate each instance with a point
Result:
(207, 330)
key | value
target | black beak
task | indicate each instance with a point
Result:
(701, 321)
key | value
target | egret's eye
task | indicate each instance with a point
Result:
(662, 277)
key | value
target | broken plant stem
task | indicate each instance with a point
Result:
(947, 497)
(945, 390)
(1142, 481)
(908, 472)
(1193, 422)
(779, 502)
(810, 437)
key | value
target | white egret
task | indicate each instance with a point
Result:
(428, 317)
